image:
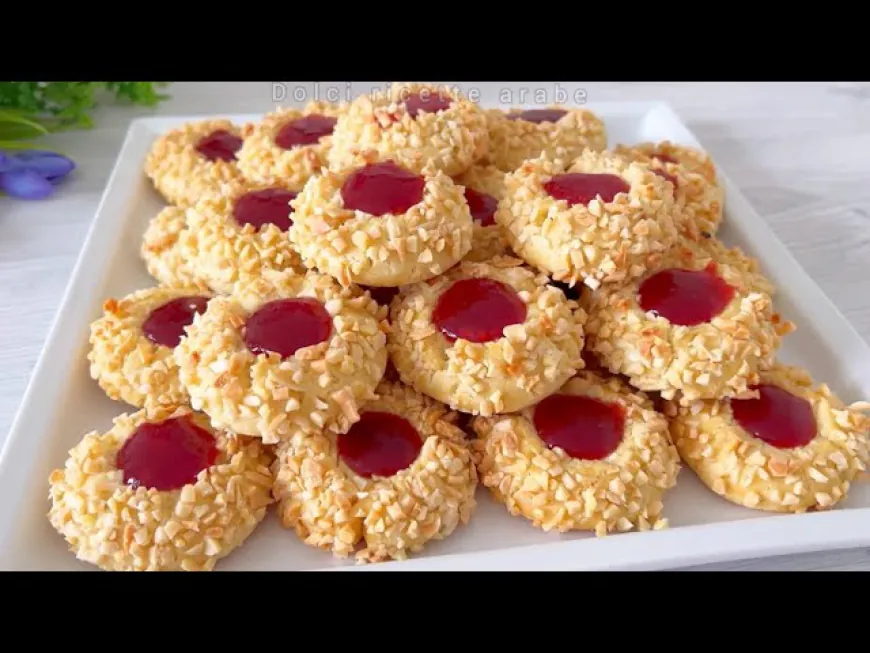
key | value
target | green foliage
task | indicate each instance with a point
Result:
(31, 109)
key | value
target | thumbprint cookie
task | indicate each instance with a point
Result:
(690, 159)
(486, 338)
(132, 344)
(238, 233)
(289, 145)
(699, 323)
(161, 248)
(416, 125)
(699, 199)
(555, 132)
(601, 220)
(594, 456)
(484, 188)
(402, 476)
(381, 224)
(285, 353)
(160, 491)
(787, 444)
(196, 158)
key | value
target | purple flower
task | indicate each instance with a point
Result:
(31, 174)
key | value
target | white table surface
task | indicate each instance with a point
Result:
(799, 151)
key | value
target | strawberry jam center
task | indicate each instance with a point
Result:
(583, 187)
(167, 455)
(428, 102)
(382, 295)
(538, 115)
(304, 131)
(477, 310)
(379, 444)
(165, 325)
(583, 427)
(685, 297)
(778, 417)
(482, 206)
(262, 207)
(219, 145)
(287, 325)
(381, 188)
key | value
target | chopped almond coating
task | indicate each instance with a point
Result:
(117, 527)
(512, 141)
(222, 251)
(333, 508)
(388, 250)
(594, 243)
(379, 126)
(318, 387)
(689, 158)
(720, 357)
(487, 241)
(262, 160)
(750, 472)
(179, 172)
(558, 492)
(699, 200)
(161, 252)
(127, 365)
(531, 360)
(484, 179)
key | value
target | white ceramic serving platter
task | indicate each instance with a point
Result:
(62, 403)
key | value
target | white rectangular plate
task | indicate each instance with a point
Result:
(62, 403)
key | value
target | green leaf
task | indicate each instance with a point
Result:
(15, 112)
(15, 117)
(29, 110)
(20, 130)
(20, 145)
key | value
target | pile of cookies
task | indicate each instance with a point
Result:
(364, 311)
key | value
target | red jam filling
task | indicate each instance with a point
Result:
(304, 131)
(778, 417)
(538, 115)
(666, 176)
(685, 297)
(583, 187)
(287, 325)
(428, 102)
(219, 145)
(262, 207)
(165, 325)
(166, 455)
(482, 206)
(379, 444)
(382, 296)
(583, 427)
(477, 310)
(381, 188)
